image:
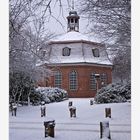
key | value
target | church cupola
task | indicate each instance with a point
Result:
(73, 21)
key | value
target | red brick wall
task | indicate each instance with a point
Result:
(83, 79)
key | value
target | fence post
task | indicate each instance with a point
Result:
(14, 109)
(43, 109)
(91, 102)
(49, 128)
(108, 112)
(70, 103)
(104, 130)
(72, 111)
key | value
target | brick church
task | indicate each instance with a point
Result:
(79, 65)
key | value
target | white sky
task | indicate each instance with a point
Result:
(60, 26)
(55, 26)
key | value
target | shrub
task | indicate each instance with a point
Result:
(35, 98)
(50, 94)
(114, 93)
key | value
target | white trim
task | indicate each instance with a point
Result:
(75, 41)
(80, 64)
(58, 80)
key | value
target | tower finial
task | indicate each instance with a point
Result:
(73, 19)
(72, 4)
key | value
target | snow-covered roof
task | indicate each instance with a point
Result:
(81, 53)
(81, 50)
(71, 36)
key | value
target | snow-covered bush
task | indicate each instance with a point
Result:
(114, 93)
(50, 94)
(35, 98)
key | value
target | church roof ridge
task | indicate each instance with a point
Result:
(72, 36)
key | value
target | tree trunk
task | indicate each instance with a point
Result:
(29, 97)
(28, 100)
(19, 96)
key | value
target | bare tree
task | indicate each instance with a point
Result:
(28, 34)
(122, 66)
(111, 21)
(108, 17)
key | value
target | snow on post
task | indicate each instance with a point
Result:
(108, 112)
(91, 101)
(104, 130)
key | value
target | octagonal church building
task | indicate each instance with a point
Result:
(80, 66)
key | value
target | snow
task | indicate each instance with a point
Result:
(52, 94)
(80, 53)
(28, 125)
(14, 106)
(71, 36)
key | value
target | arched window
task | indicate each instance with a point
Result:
(58, 79)
(66, 51)
(71, 20)
(96, 52)
(73, 83)
(93, 81)
(103, 79)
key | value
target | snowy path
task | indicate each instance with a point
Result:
(28, 125)
(68, 127)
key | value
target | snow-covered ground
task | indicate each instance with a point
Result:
(28, 125)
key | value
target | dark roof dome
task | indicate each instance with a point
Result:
(73, 13)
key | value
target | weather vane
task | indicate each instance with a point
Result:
(72, 4)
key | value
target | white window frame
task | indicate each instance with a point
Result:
(93, 84)
(73, 80)
(58, 79)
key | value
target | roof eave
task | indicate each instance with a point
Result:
(82, 63)
(74, 41)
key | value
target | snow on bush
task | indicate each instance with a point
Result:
(52, 94)
(35, 98)
(114, 93)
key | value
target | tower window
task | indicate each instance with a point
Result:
(76, 20)
(58, 79)
(72, 20)
(93, 81)
(73, 80)
(66, 51)
(96, 52)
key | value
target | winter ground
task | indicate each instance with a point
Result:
(28, 125)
